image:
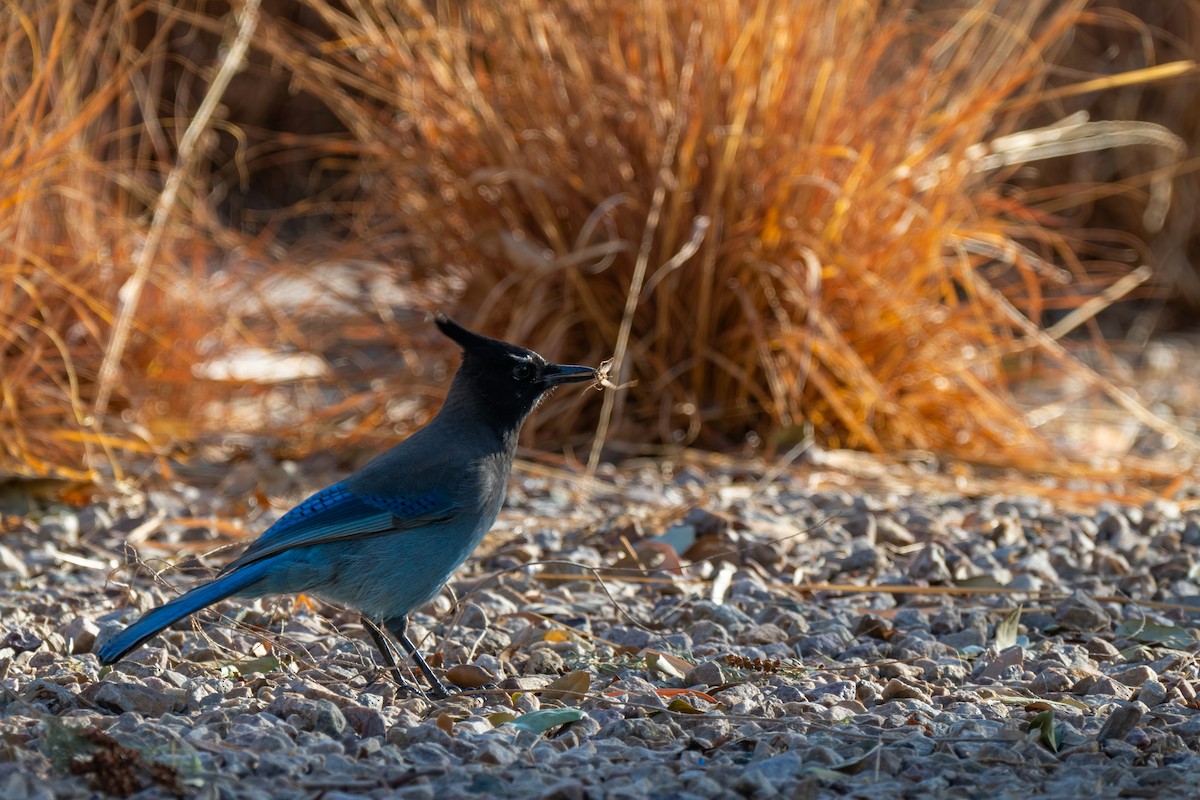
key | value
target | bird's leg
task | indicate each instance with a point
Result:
(388, 650)
(398, 627)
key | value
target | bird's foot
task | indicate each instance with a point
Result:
(406, 688)
(437, 689)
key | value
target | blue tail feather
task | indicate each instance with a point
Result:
(156, 619)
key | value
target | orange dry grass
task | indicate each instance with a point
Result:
(792, 189)
(781, 212)
(73, 176)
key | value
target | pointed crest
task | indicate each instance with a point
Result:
(466, 339)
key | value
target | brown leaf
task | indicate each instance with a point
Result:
(674, 693)
(659, 556)
(469, 676)
(569, 687)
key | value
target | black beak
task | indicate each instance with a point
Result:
(554, 374)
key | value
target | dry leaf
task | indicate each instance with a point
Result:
(682, 706)
(667, 664)
(469, 676)
(721, 582)
(1007, 629)
(569, 687)
(673, 693)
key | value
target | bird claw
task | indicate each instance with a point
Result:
(440, 691)
(402, 685)
(437, 691)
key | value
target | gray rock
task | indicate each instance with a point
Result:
(706, 673)
(823, 645)
(1151, 693)
(62, 527)
(328, 718)
(889, 531)
(11, 562)
(972, 637)
(1027, 582)
(1037, 565)
(947, 669)
(1107, 687)
(779, 770)
(365, 721)
(768, 633)
(1008, 662)
(1052, 679)
(1079, 612)
(21, 640)
(50, 696)
(741, 697)
(1115, 531)
(898, 689)
(705, 631)
(1120, 721)
(864, 559)
(834, 692)
(80, 634)
(543, 661)
(524, 683)
(149, 700)
(95, 519)
(723, 614)
(930, 565)
(863, 528)
(491, 751)
(1102, 649)
(1135, 676)
(631, 637)
(909, 674)
(25, 787)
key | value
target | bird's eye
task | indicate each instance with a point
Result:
(522, 371)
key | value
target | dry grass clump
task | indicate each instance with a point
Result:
(793, 207)
(76, 178)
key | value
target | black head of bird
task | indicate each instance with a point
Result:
(506, 380)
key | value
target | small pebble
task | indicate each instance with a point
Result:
(1079, 612)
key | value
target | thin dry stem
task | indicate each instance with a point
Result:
(165, 207)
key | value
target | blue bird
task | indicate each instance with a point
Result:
(386, 539)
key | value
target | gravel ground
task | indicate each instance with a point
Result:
(732, 656)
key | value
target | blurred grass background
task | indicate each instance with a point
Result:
(886, 226)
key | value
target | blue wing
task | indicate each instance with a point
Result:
(335, 514)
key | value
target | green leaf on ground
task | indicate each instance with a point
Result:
(543, 720)
(1047, 731)
(1149, 633)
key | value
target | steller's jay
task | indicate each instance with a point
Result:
(386, 539)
